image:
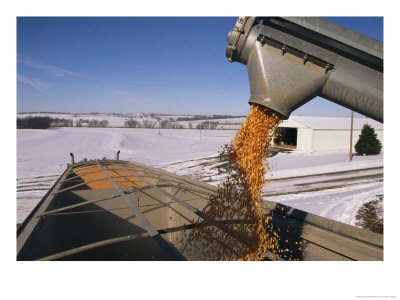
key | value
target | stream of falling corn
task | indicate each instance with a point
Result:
(237, 204)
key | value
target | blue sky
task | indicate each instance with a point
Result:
(141, 64)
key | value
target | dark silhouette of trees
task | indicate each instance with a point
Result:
(207, 125)
(149, 124)
(60, 122)
(131, 123)
(33, 123)
(97, 123)
(81, 122)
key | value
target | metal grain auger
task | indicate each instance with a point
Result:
(294, 59)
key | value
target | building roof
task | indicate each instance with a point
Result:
(292, 123)
(333, 123)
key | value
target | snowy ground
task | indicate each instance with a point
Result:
(323, 183)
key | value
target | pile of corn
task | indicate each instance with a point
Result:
(237, 202)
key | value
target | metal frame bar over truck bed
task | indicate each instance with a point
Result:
(119, 210)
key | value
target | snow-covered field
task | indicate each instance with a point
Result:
(323, 183)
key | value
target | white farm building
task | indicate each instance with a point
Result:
(323, 133)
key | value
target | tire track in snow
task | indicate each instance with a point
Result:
(30, 190)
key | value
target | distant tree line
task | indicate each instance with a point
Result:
(149, 124)
(132, 123)
(59, 122)
(81, 122)
(91, 123)
(207, 125)
(33, 122)
(47, 122)
(145, 124)
(170, 123)
(212, 117)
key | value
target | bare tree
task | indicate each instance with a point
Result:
(164, 123)
(94, 123)
(103, 123)
(131, 123)
(80, 122)
(171, 123)
(149, 124)
(213, 125)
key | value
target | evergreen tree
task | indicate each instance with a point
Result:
(368, 142)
